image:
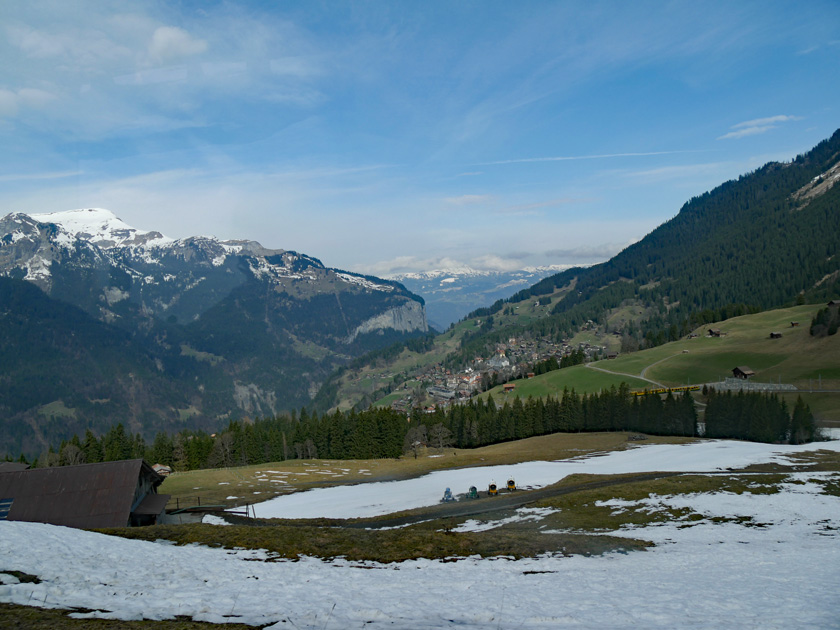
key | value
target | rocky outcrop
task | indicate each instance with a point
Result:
(409, 317)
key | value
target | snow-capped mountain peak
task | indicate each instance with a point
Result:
(102, 228)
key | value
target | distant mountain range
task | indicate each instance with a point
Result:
(158, 332)
(451, 294)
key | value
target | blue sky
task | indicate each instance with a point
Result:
(395, 136)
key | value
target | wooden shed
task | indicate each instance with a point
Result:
(742, 371)
(110, 494)
(775, 335)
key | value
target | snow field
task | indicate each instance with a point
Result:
(780, 570)
(380, 498)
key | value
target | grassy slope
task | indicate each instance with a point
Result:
(213, 486)
(580, 378)
(797, 359)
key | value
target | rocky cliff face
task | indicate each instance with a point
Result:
(407, 318)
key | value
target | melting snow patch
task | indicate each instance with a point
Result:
(522, 515)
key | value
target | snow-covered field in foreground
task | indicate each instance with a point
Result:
(711, 575)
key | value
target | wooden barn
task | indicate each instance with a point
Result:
(110, 494)
(742, 371)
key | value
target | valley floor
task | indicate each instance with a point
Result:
(748, 560)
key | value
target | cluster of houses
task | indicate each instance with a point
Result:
(512, 360)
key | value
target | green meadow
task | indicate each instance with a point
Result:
(811, 364)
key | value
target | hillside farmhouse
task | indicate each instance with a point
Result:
(110, 494)
(743, 372)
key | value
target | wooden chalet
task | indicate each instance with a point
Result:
(742, 371)
(508, 387)
(775, 335)
(110, 494)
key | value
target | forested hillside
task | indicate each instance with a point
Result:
(765, 240)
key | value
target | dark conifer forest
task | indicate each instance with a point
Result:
(383, 433)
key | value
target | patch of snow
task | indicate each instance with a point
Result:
(380, 498)
(711, 575)
(210, 519)
(522, 515)
(364, 282)
(101, 227)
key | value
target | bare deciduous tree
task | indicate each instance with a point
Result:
(439, 436)
(72, 455)
(415, 438)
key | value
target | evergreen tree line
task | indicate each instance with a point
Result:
(383, 433)
(825, 322)
(758, 417)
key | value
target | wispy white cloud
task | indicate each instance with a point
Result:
(588, 253)
(756, 126)
(747, 131)
(664, 173)
(17, 177)
(468, 200)
(170, 43)
(534, 208)
(603, 156)
(13, 101)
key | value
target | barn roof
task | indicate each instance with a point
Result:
(86, 496)
(12, 467)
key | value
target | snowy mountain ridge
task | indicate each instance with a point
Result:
(96, 237)
(453, 292)
(467, 271)
(218, 329)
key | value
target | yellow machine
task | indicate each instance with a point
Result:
(511, 485)
(492, 490)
